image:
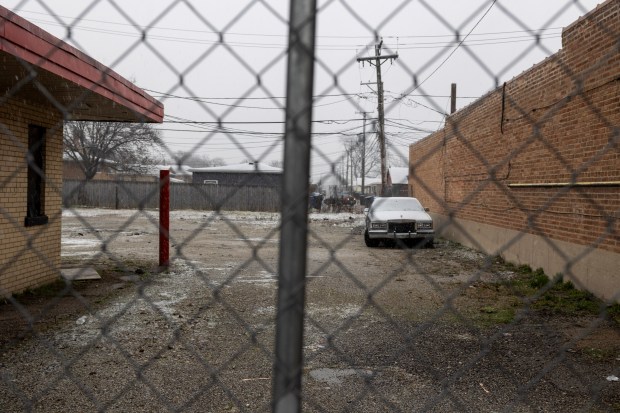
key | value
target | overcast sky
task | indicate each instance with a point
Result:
(220, 80)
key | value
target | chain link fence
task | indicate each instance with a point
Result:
(509, 304)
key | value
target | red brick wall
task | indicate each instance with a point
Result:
(560, 121)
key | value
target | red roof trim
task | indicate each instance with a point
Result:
(32, 44)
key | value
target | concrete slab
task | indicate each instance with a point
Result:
(79, 274)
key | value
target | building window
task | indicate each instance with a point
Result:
(210, 182)
(35, 213)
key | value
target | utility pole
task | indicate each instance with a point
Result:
(363, 150)
(453, 98)
(351, 170)
(346, 185)
(377, 60)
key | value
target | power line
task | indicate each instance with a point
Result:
(359, 94)
(210, 102)
(252, 133)
(143, 33)
(412, 36)
(457, 46)
(259, 122)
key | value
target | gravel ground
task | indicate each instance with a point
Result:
(386, 329)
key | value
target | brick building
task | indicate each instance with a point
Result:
(531, 171)
(68, 84)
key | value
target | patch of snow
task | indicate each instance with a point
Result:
(257, 240)
(80, 242)
(343, 312)
(78, 253)
(269, 310)
(167, 301)
(261, 278)
(271, 219)
(336, 376)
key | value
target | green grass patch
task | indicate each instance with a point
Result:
(613, 312)
(551, 296)
(496, 315)
(564, 298)
(599, 354)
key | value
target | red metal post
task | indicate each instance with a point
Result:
(164, 218)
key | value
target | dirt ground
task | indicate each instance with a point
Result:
(386, 329)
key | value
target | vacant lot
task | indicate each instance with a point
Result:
(444, 329)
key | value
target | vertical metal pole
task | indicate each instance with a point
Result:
(294, 214)
(453, 98)
(364, 156)
(347, 182)
(164, 218)
(351, 171)
(116, 201)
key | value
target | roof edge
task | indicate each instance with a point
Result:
(32, 44)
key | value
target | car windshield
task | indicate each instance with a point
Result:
(397, 204)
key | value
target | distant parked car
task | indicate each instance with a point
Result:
(398, 218)
(347, 199)
(342, 201)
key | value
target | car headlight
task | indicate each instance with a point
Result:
(425, 225)
(378, 225)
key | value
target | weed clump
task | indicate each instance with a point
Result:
(538, 292)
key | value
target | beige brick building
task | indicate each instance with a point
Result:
(68, 85)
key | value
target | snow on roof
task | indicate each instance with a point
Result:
(174, 169)
(243, 168)
(373, 181)
(368, 180)
(399, 175)
(177, 169)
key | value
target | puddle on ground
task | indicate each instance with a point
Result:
(335, 376)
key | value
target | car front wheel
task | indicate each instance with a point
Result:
(370, 242)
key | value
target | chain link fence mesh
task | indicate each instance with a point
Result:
(290, 309)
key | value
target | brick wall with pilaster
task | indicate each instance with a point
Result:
(493, 175)
(30, 255)
(556, 122)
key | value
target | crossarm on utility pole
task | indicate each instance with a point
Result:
(373, 58)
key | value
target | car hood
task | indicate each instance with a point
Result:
(399, 216)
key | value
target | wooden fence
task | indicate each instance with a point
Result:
(145, 195)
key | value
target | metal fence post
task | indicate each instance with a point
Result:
(294, 215)
(164, 218)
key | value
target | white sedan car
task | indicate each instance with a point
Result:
(398, 218)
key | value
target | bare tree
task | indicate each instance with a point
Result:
(357, 151)
(277, 163)
(397, 158)
(123, 147)
(195, 160)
